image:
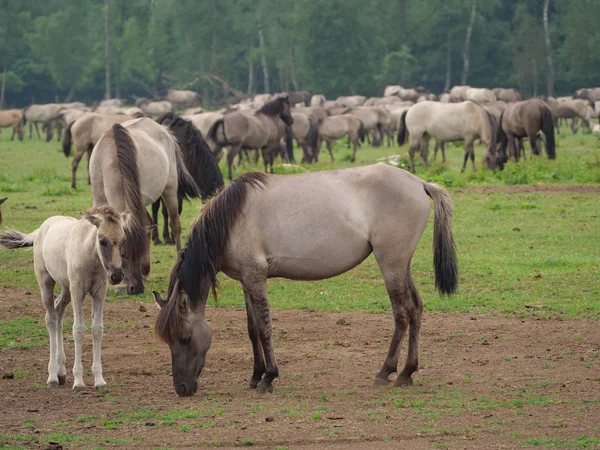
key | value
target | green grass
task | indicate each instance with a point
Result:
(523, 254)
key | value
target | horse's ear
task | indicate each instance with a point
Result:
(93, 219)
(2, 200)
(184, 303)
(159, 300)
(126, 218)
(149, 228)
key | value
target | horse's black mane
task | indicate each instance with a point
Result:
(200, 260)
(274, 107)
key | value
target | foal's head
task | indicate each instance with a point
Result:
(109, 238)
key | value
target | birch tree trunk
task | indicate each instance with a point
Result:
(3, 89)
(263, 58)
(251, 78)
(465, 73)
(106, 53)
(448, 82)
(293, 64)
(550, 77)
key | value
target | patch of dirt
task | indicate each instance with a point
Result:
(484, 382)
(537, 188)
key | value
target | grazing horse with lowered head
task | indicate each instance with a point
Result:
(448, 122)
(200, 163)
(13, 118)
(245, 233)
(83, 256)
(132, 166)
(260, 130)
(525, 119)
(333, 128)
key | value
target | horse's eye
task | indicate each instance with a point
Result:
(103, 242)
(186, 340)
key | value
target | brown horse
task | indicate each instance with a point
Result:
(131, 167)
(13, 118)
(200, 163)
(526, 119)
(333, 128)
(262, 129)
(245, 232)
(2, 200)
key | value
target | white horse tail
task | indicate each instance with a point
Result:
(15, 239)
(445, 261)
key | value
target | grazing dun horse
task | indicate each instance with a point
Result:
(306, 132)
(526, 119)
(83, 256)
(260, 130)
(245, 232)
(200, 163)
(131, 167)
(13, 118)
(448, 122)
(333, 128)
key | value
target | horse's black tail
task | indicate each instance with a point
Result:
(502, 139)
(186, 185)
(67, 138)
(361, 132)
(445, 260)
(313, 136)
(289, 143)
(213, 133)
(402, 129)
(15, 239)
(548, 130)
(23, 118)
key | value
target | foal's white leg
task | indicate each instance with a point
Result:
(78, 332)
(97, 330)
(47, 290)
(60, 304)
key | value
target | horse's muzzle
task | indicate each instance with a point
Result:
(116, 276)
(135, 289)
(183, 390)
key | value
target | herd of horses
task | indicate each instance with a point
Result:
(244, 229)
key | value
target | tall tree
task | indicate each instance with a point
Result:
(106, 53)
(465, 72)
(550, 77)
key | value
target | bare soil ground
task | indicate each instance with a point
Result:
(484, 382)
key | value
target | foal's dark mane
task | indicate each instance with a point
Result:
(273, 108)
(136, 238)
(200, 260)
(198, 158)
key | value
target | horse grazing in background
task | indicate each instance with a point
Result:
(572, 109)
(83, 256)
(449, 122)
(132, 166)
(333, 128)
(13, 118)
(260, 130)
(182, 98)
(526, 119)
(245, 232)
(200, 163)
(151, 108)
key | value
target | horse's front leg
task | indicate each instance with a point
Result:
(98, 296)
(171, 202)
(257, 291)
(169, 238)
(78, 332)
(257, 350)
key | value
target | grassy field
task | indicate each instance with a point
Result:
(520, 253)
(529, 246)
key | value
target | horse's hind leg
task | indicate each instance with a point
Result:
(257, 350)
(75, 164)
(155, 208)
(328, 143)
(78, 331)
(47, 284)
(168, 237)
(37, 130)
(170, 200)
(98, 295)
(412, 359)
(60, 304)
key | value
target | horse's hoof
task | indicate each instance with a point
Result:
(157, 242)
(101, 387)
(169, 241)
(78, 387)
(62, 380)
(381, 382)
(402, 381)
(52, 385)
(264, 387)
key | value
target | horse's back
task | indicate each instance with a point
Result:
(318, 225)
(443, 121)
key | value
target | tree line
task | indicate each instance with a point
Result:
(64, 50)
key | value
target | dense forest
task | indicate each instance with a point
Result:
(63, 50)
